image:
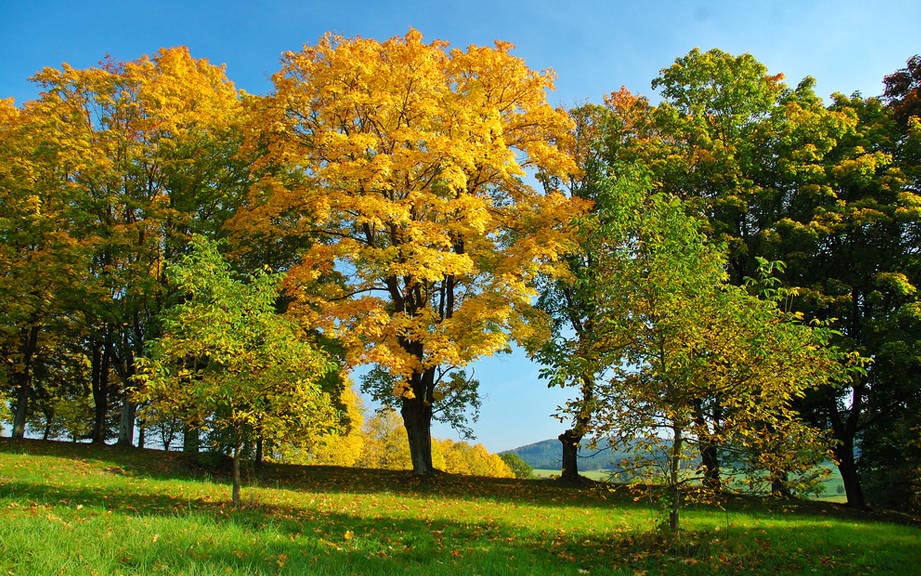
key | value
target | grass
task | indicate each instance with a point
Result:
(596, 475)
(68, 509)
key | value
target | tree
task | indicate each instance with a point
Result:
(567, 355)
(339, 448)
(41, 256)
(517, 465)
(676, 334)
(228, 362)
(141, 154)
(903, 90)
(384, 443)
(780, 176)
(407, 164)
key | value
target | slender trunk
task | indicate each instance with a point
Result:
(142, 433)
(674, 482)
(570, 440)
(129, 408)
(235, 492)
(22, 403)
(126, 423)
(99, 381)
(22, 379)
(258, 459)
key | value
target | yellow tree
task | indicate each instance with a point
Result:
(40, 257)
(409, 164)
(144, 149)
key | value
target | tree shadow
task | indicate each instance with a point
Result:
(294, 540)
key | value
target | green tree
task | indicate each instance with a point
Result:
(780, 176)
(676, 334)
(226, 361)
(568, 354)
(517, 465)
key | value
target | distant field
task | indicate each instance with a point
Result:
(598, 475)
(80, 510)
(833, 492)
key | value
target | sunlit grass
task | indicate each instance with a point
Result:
(84, 510)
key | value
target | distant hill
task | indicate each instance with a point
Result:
(548, 454)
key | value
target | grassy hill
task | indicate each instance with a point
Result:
(76, 509)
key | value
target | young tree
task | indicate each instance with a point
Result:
(228, 362)
(407, 162)
(675, 334)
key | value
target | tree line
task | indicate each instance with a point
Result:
(728, 276)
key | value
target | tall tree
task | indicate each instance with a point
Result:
(148, 147)
(408, 162)
(227, 361)
(768, 167)
(41, 256)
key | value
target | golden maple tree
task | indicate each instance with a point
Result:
(409, 163)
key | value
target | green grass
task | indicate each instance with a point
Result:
(596, 475)
(68, 509)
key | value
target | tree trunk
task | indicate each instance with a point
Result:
(126, 423)
(779, 487)
(845, 431)
(709, 450)
(674, 481)
(235, 491)
(99, 381)
(570, 440)
(19, 417)
(417, 419)
(190, 440)
(847, 465)
(22, 380)
(709, 460)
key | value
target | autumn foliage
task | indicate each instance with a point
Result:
(408, 165)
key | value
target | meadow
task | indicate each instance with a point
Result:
(78, 509)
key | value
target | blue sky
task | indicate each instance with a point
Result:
(594, 46)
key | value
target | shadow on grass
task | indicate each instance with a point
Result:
(286, 539)
(159, 464)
